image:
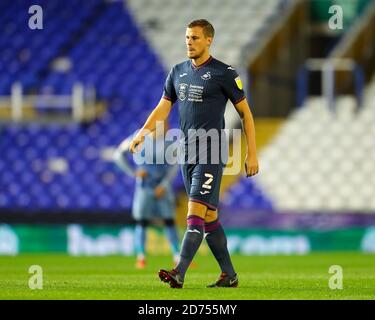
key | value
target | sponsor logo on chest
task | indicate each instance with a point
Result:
(191, 92)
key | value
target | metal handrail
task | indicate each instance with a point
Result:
(328, 67)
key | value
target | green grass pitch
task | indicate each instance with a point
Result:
(261, 277)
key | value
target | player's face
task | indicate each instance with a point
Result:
(196, 42)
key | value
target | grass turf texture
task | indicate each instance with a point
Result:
(269, 277)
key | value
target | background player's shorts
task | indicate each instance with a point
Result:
(202, 183)
(146, 206)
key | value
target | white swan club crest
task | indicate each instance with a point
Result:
(206, 76)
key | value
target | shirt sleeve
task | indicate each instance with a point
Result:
(169, 91)
(232, 86)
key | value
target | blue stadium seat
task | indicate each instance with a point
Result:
(110, 54)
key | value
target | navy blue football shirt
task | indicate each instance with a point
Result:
(202, 93)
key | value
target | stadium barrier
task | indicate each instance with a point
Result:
(81, 105)
(328, 68)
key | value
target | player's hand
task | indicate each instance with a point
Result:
(141, 173)
(251, 166)
(136, 144)
(159, 192)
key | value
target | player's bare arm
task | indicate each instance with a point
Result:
(251, 160)
(160, 113)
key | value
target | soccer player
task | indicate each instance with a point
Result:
(153, 197)
(202, 86)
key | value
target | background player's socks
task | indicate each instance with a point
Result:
(173, 239)
(217, 242)
(140, 239)
(191, 242)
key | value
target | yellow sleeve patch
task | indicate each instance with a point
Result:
(239, 83)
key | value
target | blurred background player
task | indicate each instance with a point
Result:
(153, 197)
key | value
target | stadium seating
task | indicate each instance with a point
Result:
(26, 53)
(320, 161)
(112, 57)
(246, 195)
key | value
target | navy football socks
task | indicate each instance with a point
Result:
(217, 242)
(191, 242)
